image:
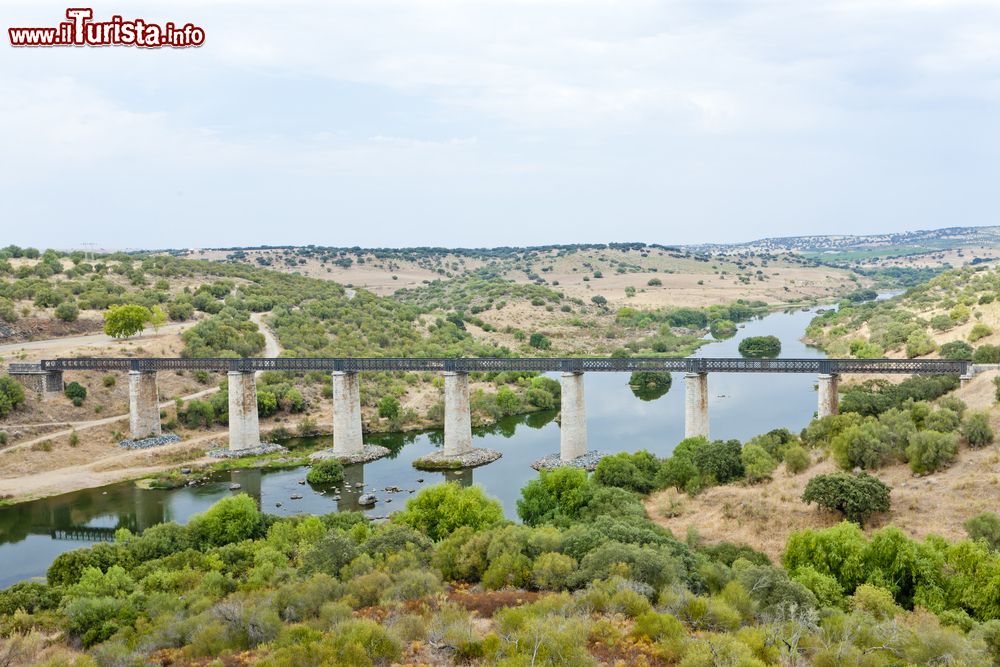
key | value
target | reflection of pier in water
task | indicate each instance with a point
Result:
(85, 534)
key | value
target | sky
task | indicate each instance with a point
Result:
(469, 123)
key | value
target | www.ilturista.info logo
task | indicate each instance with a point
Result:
(82, 30)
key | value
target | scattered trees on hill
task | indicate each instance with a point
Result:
(125, 320)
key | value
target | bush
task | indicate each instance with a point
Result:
(126, 320)
(797, 459)
(635, 472)
(326, 471)
(654, 282)
(555, 496)
(439, 510)
(857, 497)
(759, 347)
(388, 408)
(539, 341)
(230, 520)
(67, 311)
(720, 459)
(957, 350)
(976, 429)
(552, 571)
(987, 354)
(864, 446)
(978, 331)
(76, 392)
(919, 344)
(929, 450)
(757, 463)
(984, 527)
(11, 395)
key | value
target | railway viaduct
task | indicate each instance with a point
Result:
(244, 430)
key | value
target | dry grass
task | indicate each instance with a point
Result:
(763, 516)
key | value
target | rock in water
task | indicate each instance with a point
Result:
(367, 499)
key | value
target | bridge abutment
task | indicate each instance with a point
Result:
(244, 425)
(695, 405)
(143, 405)
(828, 390)
(44, 383)
(573, 424)
(348, 439)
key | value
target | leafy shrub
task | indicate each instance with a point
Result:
(759, 347)
(556, 496)
(720, 459)
(388, 408)
(957, 350)
(873, 397)
(11, 395)
(979, 331)
(797, 459)
(986, 354)
(757, 463)
(918, 344)
(976, 429)
(439, 510)
(326, 471)
(76, 393)
(636, 472)
(865, 445)
(930, 450)
(552, 571)
(857, 497)
(230, 520)
(539, 341)
(984, 527)
(67, 311)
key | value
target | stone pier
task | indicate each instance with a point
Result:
(347, 434)
(695, 405)
(244, 426)
(458, 451)
(573, 427)
(143, 405)
(829, 395)
(457, 415)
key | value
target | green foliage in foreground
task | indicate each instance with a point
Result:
(11, 395)
(302, 590)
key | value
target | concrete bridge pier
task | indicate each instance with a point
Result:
(347, 432)
(829, 394)
(143, 405)
(458, 451)
(695, 405)
(573, 425)
(457, 414)
(244, 425)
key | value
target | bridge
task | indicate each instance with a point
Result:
(244, 428)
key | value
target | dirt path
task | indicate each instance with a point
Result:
(90, 340)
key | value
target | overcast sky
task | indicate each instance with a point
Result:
(514, 122)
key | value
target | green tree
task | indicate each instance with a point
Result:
(929, 450)
(857, 497)
(439, 510)
(388, 408)
(757, 347)
(11, 395)
(539, 341)
(757, 463)
(228, 521)
(127, 320)
(865, 446)
(976, 429)
(157, 318)
(985, 527)
(76, 392)
(556, 496)
(326, 471)
(67, 311)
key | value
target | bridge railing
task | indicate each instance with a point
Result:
(538, 364)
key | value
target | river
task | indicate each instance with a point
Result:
(741, 405)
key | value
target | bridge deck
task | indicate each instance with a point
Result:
(540, 364)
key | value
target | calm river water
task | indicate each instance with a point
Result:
(741, 406)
